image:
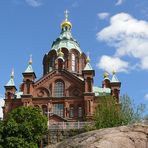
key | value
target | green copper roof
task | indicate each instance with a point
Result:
(65, 40)
(114, 78)
(101, 91)
(29, 69)
(11, 81)
(88, 67)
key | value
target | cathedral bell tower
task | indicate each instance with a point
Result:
(27, 85)
(88, 74)
(10, 88)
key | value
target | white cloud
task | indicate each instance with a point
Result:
(103, 15)
(109, 64)
(34, 3)
(128, 36)
(119, 2)
(146, 96)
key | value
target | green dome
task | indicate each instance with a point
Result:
(65, 40)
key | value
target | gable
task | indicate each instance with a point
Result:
(42, 86)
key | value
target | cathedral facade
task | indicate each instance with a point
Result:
(66, 91)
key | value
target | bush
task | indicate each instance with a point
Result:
(24, 127)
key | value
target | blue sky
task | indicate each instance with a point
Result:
(114, 32)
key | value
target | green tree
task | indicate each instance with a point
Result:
(110, 114)
(24, 127)
(1, 131)
(107, 113)
(146, 119)
(130, 111)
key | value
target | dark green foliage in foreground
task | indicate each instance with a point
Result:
(23, 128)
(110, 114)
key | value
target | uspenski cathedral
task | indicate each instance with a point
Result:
(66, 91)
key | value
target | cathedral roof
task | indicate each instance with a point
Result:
(114, 78)
(29, 68)
(101, 91)
(66, 40)
(11, 81)
(88, 67)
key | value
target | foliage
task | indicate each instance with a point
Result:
(89, 127)
(146, 118)
(15, 142)
(107, 113)
(110, 114)
(24, 127)
(1, 131)
(130, 111)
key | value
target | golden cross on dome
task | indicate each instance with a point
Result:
(66, 14)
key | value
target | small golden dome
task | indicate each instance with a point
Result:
(30, 60)
(66, 22)
(106, 74)
(113, 72)
(87, 60)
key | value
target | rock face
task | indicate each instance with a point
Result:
(135, 136)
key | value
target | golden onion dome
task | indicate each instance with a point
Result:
(66, 22)
(30, 60)
(106, 74)
(113, 72)
(87, 60)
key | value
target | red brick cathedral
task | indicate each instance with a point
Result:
(66, 91)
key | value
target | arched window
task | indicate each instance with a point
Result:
(59, 89)
(73, 62)
(51, 63)
(28, 86)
